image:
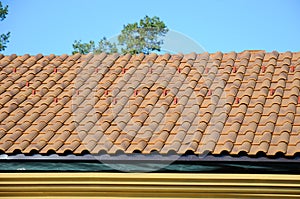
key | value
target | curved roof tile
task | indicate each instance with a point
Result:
(220, 102)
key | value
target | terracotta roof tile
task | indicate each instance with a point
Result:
(234, 102)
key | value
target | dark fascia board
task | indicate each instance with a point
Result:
(153, 158)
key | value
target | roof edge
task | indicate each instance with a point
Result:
(153, 158)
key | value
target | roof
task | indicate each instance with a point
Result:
(235, 103)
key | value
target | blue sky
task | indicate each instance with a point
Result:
(51, 26)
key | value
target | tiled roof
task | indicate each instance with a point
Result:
(222, 102)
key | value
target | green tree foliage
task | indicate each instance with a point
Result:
(3, 37)
(83, 48)
(144, 36)
(103, 46)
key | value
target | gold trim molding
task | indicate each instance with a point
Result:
(147, 185)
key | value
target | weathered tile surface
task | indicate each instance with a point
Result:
(231, 103)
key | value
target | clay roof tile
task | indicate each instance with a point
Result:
(219, 102)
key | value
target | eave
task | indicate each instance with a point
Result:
(149, 163)
(147, 185)
(154, 158)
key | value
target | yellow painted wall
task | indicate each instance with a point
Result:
(147, 185)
